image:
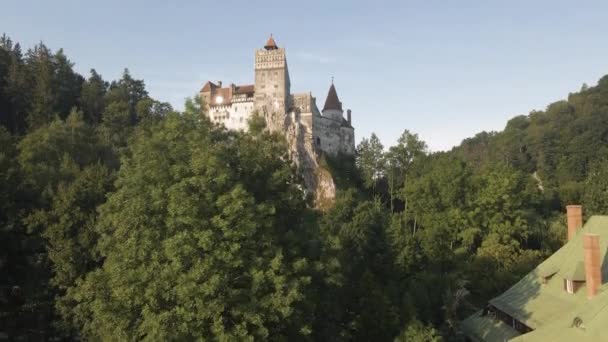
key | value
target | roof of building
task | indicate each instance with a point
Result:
(271, 44)
(207, 87)
(244, 89)
(332, 101)
(547, 307)
(483, 328)
(226, 93)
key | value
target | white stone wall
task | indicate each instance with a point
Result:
(234, 116)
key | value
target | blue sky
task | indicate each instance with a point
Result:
(443, 69)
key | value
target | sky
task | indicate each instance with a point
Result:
(445, 70)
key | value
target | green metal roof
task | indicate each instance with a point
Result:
(588, 324)
(548, 271)
(483, 328)
(548, 308)
(576, 272)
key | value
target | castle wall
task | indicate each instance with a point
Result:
(332, 136)
(347, 140)
(326, 134)
(234, 116)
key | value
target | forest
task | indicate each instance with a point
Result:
(123, 219)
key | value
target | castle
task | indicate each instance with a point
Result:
(295, 115)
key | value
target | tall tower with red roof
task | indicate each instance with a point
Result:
(272, 84)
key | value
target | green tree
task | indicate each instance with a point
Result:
(56, 152)
(370, 161)
(595, 196)
(15, 86)
(415, 331)
(399, 158)
(44, 97)
(67, 84)
(436, 204)
(92, 97)
(116, 126)
(127, 90)
(69, 222)
(14, 262)
(355, 302)
(62, 167)
(197, 240)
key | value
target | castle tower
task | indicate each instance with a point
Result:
(272, 85)
(333, 107)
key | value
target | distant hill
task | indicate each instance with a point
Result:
(561, 144)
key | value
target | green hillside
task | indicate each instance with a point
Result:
(564, 145)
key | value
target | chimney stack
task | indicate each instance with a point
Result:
(219, 84)
(575, 219)
(593, 270)
(348, 116)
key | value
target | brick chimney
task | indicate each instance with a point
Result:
(575, 219)
(593, 270)
(348, 117)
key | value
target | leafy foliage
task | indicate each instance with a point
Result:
(197, 240)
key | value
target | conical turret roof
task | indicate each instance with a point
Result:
(332, 101)
(271, 44)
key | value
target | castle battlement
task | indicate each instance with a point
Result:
(270, 59)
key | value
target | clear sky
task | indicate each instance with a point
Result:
(443, 69)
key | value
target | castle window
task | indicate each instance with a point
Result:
(318, 141)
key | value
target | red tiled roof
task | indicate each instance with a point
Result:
(332, 101)
(271, 44)
(208, 86)
(226, 93)
(244, 89)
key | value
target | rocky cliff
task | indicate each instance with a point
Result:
(317, 179)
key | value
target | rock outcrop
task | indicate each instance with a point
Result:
(317, 179)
